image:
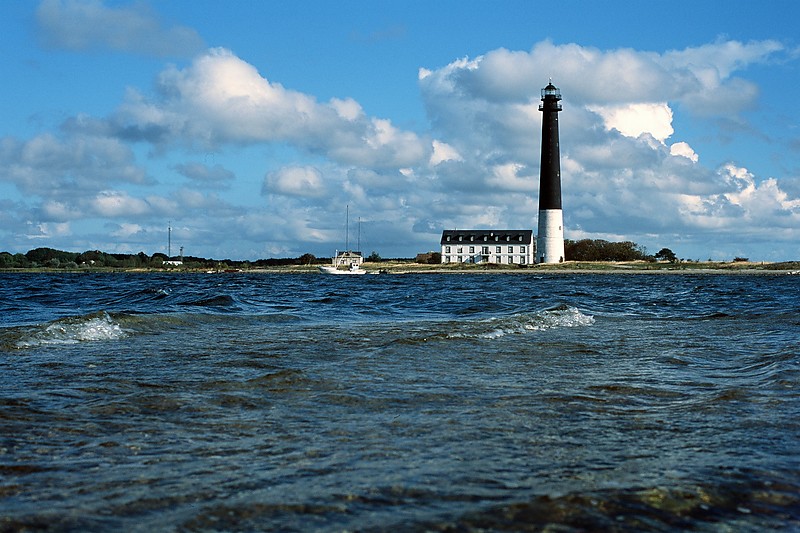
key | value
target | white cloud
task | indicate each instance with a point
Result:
(87, 24)
(126, 231)
(684, 150)
(48, 230)
(630, 184)
(511, 177)
(476, 166)
(59, 211)
(633, 120)
(606, 77)
(116, 204)
(759, 200)
(222, 99)
(46, 165)
(710, 86)
(348, 108)
(443, 152)
(295, 181)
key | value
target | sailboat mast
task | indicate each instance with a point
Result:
(347, 228)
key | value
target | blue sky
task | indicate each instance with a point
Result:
(250, 126)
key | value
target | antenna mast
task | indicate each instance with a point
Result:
(347, 228)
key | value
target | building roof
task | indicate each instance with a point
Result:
(487, 236)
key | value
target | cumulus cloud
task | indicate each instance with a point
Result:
(684, 150)
(115, 204)
(626, 172)
(47, 165)
(759, 200)
(619, 174)
(443, 152)
(48, 230)
(633, 120)
(222, 99)
(607, 77)
(89, 24)
(295, 181)
(126, 231)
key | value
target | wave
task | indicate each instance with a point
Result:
(222, 300)
(562, 316)
(98, 326)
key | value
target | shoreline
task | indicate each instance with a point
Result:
(405, 268)
(569, 267)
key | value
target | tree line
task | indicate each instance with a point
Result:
(601, 250)
(582, 250)
(51, 258)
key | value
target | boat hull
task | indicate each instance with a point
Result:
(335, 271)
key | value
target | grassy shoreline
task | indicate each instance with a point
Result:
(408, 267)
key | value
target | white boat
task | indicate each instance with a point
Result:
(332, 269)
(349, 262)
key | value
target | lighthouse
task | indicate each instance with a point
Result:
(550, 238)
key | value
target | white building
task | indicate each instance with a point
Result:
(503, 247)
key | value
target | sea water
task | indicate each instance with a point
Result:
(244, 402)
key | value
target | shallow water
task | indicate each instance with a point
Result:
(413, 402)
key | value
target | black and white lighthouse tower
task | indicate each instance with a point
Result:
(550, 238)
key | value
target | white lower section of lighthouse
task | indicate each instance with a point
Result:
(550, 238)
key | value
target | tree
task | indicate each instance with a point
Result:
(46, 256)
(307, 259)
(6, 260)
(600, 250)
(665, 254)
(374, 257)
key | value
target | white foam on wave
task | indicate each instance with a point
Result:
(95, 327)
(493, 328)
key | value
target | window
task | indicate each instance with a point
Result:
(485, 250)
(472, 249)
(522, 249)
(511, 249)
(447, 249)
(460, 249)
(498, 249)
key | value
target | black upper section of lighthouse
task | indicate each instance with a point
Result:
(550, 168)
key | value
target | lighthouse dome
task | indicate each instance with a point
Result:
(551, 91)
